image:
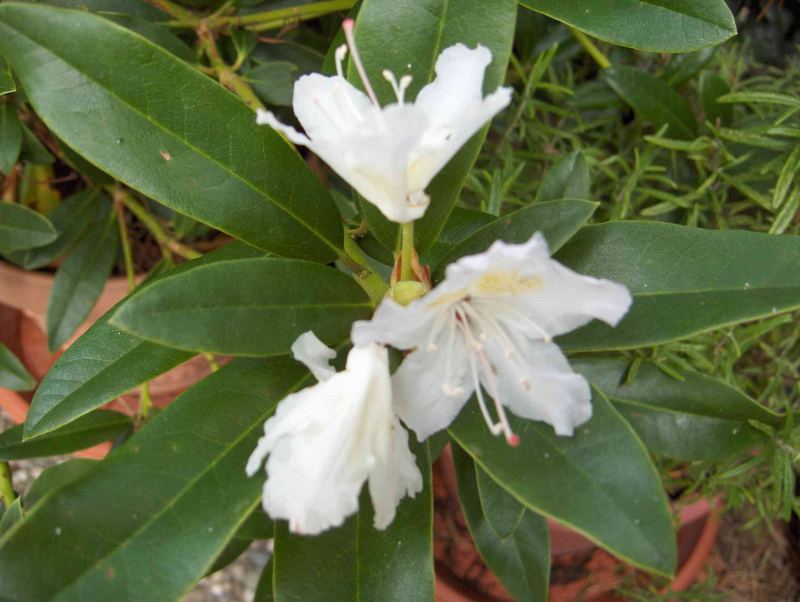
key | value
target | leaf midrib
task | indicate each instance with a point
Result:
(134, 109)
(189, 485)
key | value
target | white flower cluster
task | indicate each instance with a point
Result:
(487, 327)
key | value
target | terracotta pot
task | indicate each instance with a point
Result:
(579, 570)
(24, 335)
(30, 292)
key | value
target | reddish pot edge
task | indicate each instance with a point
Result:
(570, 542)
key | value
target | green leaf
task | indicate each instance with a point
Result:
(33, 151)
(135, 8)
(158, 34)
(356, 562)
(187, 142)
(558, 221)
(7, 84)
(768, 98)
(599, 482)
(653, 100)
(55, 477)
(568, 178)
(683, 280)
(503, 512)
(273, 82)
(427, 27)
(109, 361)
(11, 517)
(653, 25)
(23, 228)
(712, 88)
(683, 67)
(246, 307)
(176, 489)
(81, 278)
(264, 587)
(521, 559)
(10, 136)
(13, 374)
(696, 418)
(70, 218)
(460, 225)
(89, 430)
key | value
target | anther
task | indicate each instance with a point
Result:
(513, 440)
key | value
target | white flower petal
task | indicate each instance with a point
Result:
(393, 477)
(267, 118)
(331, 108)
(431, 387)
(396, 325)
(315, 354)
(325, 441)
(539, 384)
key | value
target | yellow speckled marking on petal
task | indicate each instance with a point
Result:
(504, 282)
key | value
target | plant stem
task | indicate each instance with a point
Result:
(590, 47)
(226, 76)
(145, 404)
(126, 243)
(6, 485)
(172, 9)
(357, 262)
(406, 252)
(156, 229)
(283, 16)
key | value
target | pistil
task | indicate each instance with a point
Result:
(348, 26)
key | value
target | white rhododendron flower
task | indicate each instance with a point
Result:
(325, 441)
(491, 323)
(390, 154)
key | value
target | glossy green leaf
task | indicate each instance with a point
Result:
(81, 278)
(653, 100)
(558, 221)
(158, 34)
(23, 228)
(13, 374)
(135, 8)
(427, 27)
(503, 512)
(70, 219)
(653, 25)
(10, 136)
(460, 225)
(246, 307)
(273, 82)
(167, 130)
(599, 482)
(697, 418)
(712, 88)
(684, 280)
(55, 477)
(11, 516)
(108, 361)
(358, 563)
(89, 430)
(521, 559)
(176, 489)
(568, 178)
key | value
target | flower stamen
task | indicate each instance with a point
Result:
(341, 53)
(348, 25)
(399, 88)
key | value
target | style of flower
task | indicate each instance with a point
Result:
(325, 441)
(490, 324)
(390, 154)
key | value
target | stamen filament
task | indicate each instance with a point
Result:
(341, 53)
(348, 25)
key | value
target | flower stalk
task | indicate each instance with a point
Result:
(6, 485)
(407, 252)
(590, 47)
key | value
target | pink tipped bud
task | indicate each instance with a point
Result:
(348, 24)
(513, 440)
